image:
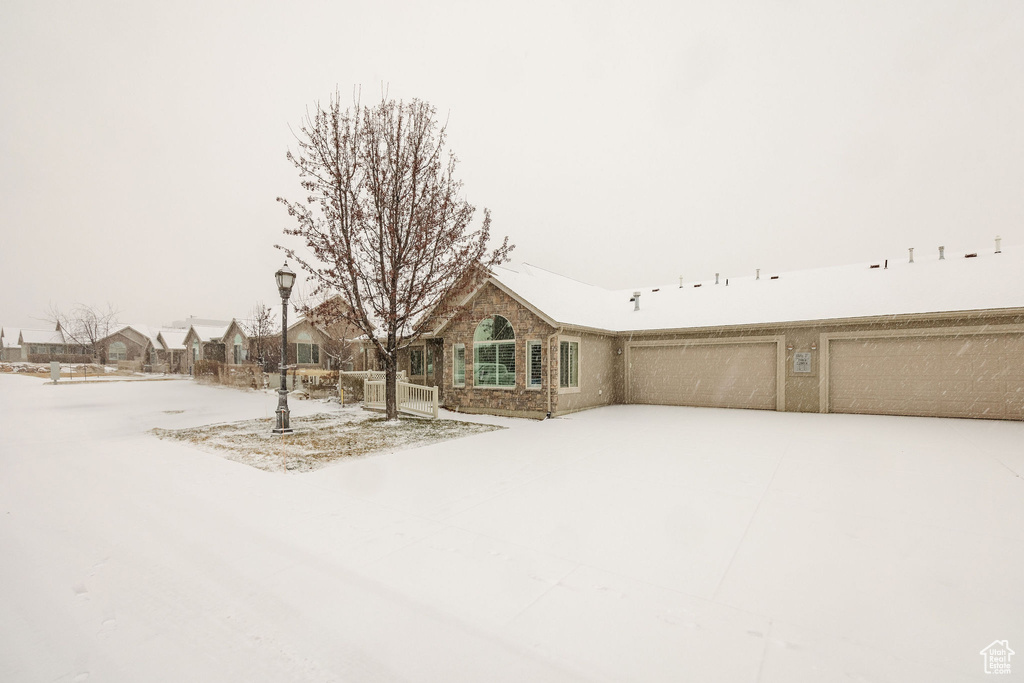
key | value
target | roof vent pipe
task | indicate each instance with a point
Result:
(911, 255)
(942, 253)
(758, 271)
(680, 282)
(716, 278)
(636, 301)
(999, 249)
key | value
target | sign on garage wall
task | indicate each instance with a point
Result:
(802, 361)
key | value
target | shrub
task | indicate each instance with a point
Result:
(208, 368)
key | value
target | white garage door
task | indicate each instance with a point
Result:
(966, 376)
(714, 375)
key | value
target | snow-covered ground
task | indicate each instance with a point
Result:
(630, 543)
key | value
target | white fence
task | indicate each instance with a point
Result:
(413, 399)
(373, 375)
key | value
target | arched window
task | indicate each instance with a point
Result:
(195, 350)
(239, 351)
(494, 353)
(305, 350)
(117, 351)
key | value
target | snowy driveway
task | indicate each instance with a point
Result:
(628, 543)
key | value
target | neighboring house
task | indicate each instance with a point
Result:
(10, 346)
(939, 337)
(43, 346)
(320, 339)
(204, 342)
(306, 344)
(133, 343)
(171, 349)
(236, 343)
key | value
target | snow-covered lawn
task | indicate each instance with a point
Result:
(320, 439)
(629, 543)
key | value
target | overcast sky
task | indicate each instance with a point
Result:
(142, 144)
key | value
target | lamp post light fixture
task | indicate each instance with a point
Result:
(285, 279)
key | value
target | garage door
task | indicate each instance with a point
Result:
(734, 375)
(966, 376)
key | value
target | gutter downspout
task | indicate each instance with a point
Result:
(551, 365)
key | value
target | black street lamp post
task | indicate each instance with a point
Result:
(285, 280)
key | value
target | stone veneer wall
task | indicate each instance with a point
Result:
(519, 401)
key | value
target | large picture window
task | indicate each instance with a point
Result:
(459, 365)
(534, 377)
(494, 353)
(118, 351)
(306, 351)
(569, 364)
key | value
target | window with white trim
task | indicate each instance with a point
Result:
(430, 360)
(494, 353)
(569, 364)
(305, 350)
(459, 365)
(534, 375)
(239, 351)
(117, 351)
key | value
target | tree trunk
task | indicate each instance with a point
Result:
(391, 379)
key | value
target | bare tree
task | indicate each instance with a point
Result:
(339, 350)
(384, 221)
(263, 337)
(84, 324)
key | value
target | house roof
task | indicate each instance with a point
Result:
(144, 330)
(173, 339)
(239, 327)
(41, 337)
(929, 285)
(10, 336)
(208, 333)
(303, 321)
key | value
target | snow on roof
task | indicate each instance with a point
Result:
(929, 285)
(173, 338)
(210, 332)
(144, 330)
(42, 337)
(10, 337)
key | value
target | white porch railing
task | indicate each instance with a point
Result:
(413, 399)
(373, 375)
